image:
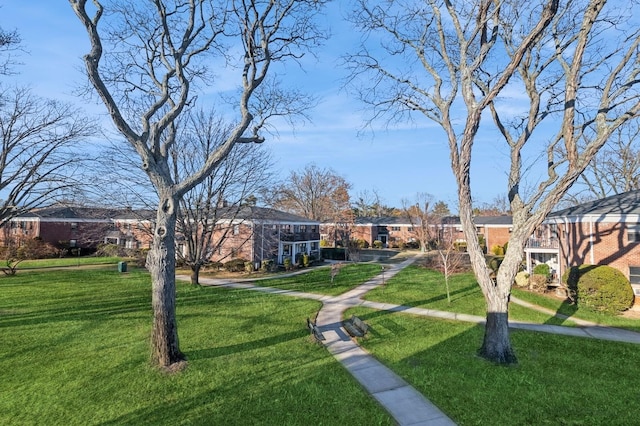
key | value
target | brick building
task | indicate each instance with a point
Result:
(251, 233)
(600, 232)
(390, 231)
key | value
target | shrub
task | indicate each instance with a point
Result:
(460, 245)
(267, 265)
(542, 269)
(495, 262)
(109, 250)
(538, 282)
(522, 279)
(305, 260)
(377, 244)
(497, 250)
(215, 266)
(234, 265)
(248, 266)
(324, 243)
(601, 288)
(287, 263)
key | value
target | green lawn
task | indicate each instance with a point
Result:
(75, 351)
(67, 261)
(319, 280)
(424, 288)
(559, 380)
(571, 310)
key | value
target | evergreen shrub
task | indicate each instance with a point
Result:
(600, 288)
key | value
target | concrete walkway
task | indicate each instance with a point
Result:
(405, 404)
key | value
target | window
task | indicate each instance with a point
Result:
(74, 225)
(633, 234)
(236, 229)
(72, 243)
(395, 228)
(634, 274)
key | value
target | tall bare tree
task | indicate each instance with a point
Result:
(209, 211)
(548, 73)
(39, 162)
(146, 63)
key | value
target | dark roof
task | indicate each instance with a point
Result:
(80, 213)
(627, 203)
(71, 212)
(263, 213)
(382, 221)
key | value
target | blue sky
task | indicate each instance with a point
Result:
(397, 162)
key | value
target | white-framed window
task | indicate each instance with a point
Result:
(633, 234)
(236, 229)
(634, 274)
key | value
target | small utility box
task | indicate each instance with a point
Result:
(122, 266)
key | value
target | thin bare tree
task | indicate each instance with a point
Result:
(147, 62)
(548, 74)
(421, 217)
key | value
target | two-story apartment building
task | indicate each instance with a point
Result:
(258, 233)
(600, 232)
(494, 229)
(251, 233)
(391, 231)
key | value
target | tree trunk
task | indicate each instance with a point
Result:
(195, 274)
(496, 346)
(161, 262)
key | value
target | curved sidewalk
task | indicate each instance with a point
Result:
(405, 404)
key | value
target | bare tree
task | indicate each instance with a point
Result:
(146, 62)
(450, 261)
(39, 160)
(573, 66)
(616, 168)
(368, 204)
(314, 193)
(210, 210)
(420, 216)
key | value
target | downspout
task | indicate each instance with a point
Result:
(591, 256)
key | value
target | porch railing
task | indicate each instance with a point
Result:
(550, 243)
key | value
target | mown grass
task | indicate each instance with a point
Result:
(67, 261)
(425, 288)
(576, 311)
(559, 380)
(319, 280)
(75, 351)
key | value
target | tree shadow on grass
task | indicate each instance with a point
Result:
(218, 351)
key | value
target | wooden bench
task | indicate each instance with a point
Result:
(355, 326)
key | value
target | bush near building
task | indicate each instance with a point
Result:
(601, 288)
